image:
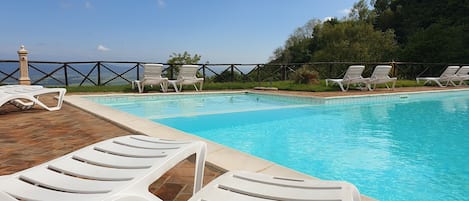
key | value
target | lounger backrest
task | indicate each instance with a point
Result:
(188, 71)
(152, 71)
(381, 71)
(354, 72)
(463, 71)
(449, 72)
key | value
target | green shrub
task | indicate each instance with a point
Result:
(305, 76)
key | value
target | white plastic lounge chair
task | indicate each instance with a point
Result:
(381, 76)
(118, 169)
(446, 76)
(462, 75)
(26, 97)
(187, 76)
(234, 186)
(18, 102)
(353, 75)
(152, 76)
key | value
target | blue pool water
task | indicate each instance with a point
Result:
(406, 147)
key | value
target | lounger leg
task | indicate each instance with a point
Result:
(59, 102)
(201, 85)
(199, 169)
(139, 86)
(452, 83)
(175, 86)
(439, 84)
(342, 87)
(164, 87)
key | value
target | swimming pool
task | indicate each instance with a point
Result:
(399, 147)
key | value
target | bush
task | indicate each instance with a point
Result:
(305, 76)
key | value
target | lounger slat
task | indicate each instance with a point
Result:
(127, 151)
(253, 186)
(157, 140)
(278, 192)
(146, 144)
(26, 191)
(80, 169)
(115, 161)
(61, 182)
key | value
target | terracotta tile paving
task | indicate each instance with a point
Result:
(31, 137)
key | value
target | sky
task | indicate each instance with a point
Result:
(221, 31)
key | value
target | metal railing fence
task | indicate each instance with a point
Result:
(100, 73)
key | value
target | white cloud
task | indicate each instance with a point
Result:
(88, 5)
(345, 11)
(161, 3)
(327, 19)
(101, 48)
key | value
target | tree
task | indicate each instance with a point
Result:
(184, 58)
(354, 41)
(176, 60)
(297, 46)
(427, 31)
(361, 12)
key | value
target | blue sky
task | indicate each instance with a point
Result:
(221, 31)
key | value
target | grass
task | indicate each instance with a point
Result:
(281, 85)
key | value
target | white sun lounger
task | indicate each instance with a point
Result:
(380, 75)
(187, 76)
(353, 75)
(118, 169)
(446, 76)
(461, 76)
(246, 186)
(152, 76)
(25, 96)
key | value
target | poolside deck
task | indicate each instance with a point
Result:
(28, 138)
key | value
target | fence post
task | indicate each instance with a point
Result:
(66, 74)
(138, 71)
(232, 72)
(99, 73)
(203, 70)
(23, 59)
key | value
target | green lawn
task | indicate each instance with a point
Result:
(281, 85)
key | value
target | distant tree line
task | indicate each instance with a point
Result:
(430, 31)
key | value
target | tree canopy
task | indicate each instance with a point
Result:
(184, 58)
(384, 30)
